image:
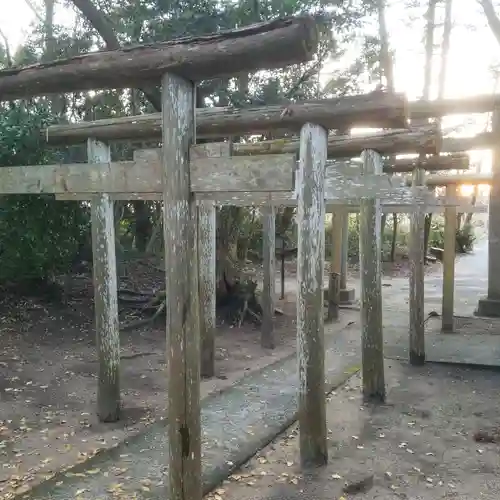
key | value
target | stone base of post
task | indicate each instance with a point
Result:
(489, 308)
(347, 296)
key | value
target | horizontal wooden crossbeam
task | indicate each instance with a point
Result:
(375, 109)
(267, 45)
(143, 175)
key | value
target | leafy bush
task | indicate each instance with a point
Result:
(39, 236)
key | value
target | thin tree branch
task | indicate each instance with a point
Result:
(35, 11)
(99, 21)
(7, 49)
(491, 17)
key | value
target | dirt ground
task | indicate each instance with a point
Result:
(48, 381)
(48, 376)
(421, 445)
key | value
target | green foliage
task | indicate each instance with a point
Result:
(465, 237)
(39, 236)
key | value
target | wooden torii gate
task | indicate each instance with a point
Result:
(185, 174)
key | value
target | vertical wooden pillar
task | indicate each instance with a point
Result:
(335, 265)
(105, 294)
(345, 250)
(182, 312)
(207, 278)
(489, 306)
(371, 289)
(449, 254)
(417, 251)
(310, 322)
(282, 270)
(269, 250)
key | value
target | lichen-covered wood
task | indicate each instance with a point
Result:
(182, 293)
(417, 264)
(462, 106)
(456, 161)
(253, 173)
(105, 295)
(267, 45)
(335, 265)
(372, 340)
(375, 109)
(449, 254)
(143, 175)
(419, 140)
(310, 322)
(207, 278)
(268, 289)
(446, 180)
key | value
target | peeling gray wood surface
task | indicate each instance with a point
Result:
(449, 256)
(370, 244)
(268, 289)
(310, 321)
(206, 269)
(182, 293)
(253, 173)
(144, 175)
(417, 267)
(105, 295)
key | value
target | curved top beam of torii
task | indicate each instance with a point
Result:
(267, 45)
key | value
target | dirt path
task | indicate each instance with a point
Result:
(420, 445)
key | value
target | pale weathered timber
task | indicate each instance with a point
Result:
(443, 107)
(221, 122)
(408, 141)
(484, 140)
(144, 176)
(105, 295)
(182, 293)
(310, 321)
(207, 278)
(345, 249)
(456, 161)
(489, 306)
(254, 173)
(375, 109)
(267, 45)
(449, 254)
(370, 245)
(432, 204)
(268, 290)
(417, 263)
(446, 180)
(335, 265)
(207, 247)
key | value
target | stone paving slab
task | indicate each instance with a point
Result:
(462, 349)
(236, 423)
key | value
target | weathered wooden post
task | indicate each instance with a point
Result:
(182, 293)
(268, 249)
(282, 270)
(207, 278)
(310, 322)
(371, 290)
(449, 254)
(417, 256)
(105, 294)
(333, 294)
(347, 294)
(489, 306)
